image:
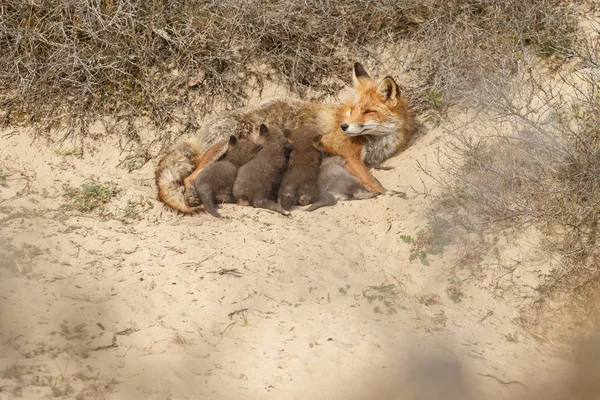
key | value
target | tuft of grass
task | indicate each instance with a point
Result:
(12, 372)
(69, 332)
(384, 295)
(92, 196)
(455, 292)
(135, 161)
(439, 320)
(3, 178)
(511, 337)
(134, 210)
(434, 97)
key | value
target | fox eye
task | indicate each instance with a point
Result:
(368, 112)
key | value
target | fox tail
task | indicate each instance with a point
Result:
(172, 170)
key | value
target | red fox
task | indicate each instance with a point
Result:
(365, 131)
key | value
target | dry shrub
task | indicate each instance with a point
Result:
(535, 162)
(70, 60)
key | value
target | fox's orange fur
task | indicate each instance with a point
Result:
(365, 131)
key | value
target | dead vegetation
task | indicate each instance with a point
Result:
(535, 165)
(67, 62)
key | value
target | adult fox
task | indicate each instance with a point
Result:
(365, 131)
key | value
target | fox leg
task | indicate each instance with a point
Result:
(364, 194)
(206, 196)
(202, 161)
(325, 200)
(360, 170)
(243, 201)
(352, 151)
(396, 193)
(305, 199)
(270, 205)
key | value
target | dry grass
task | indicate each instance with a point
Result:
(71, 61)
(536, 164)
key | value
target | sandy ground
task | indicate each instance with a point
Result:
(137, 302)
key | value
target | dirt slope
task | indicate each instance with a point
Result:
(323, 305)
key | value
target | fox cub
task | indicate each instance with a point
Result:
(299, 185)
(257, 181)
(215, 181)
(336, 183)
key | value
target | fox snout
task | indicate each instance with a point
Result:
(353, 129)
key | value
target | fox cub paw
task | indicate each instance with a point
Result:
(305, 200)
(191, 197)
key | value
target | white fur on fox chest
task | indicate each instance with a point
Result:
(379, 148)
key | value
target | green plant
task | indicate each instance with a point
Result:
(428, 241)
(134, 209)
(435, 98)
(90, 197)
(135, 161)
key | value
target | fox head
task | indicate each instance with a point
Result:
(240, 151)
(274, 134)
(376, 109)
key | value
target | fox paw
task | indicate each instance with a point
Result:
(305, 200)
(191, 197)
(382, 168)
(395, 193)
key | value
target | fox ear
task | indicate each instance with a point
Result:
(287, 133)
(317, 139)
(359, 74)
(232, 141)
(387, 89)
(263, 130)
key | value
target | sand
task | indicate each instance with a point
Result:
(137, 302)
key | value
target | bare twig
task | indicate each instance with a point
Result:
(227, 271)
(127, 331)
(108, 346)
(236, 312)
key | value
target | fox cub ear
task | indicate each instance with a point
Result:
(287, 133)
(263, 130)
(388, 89)
(359, 74)
(317, 143)
(232, 141)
